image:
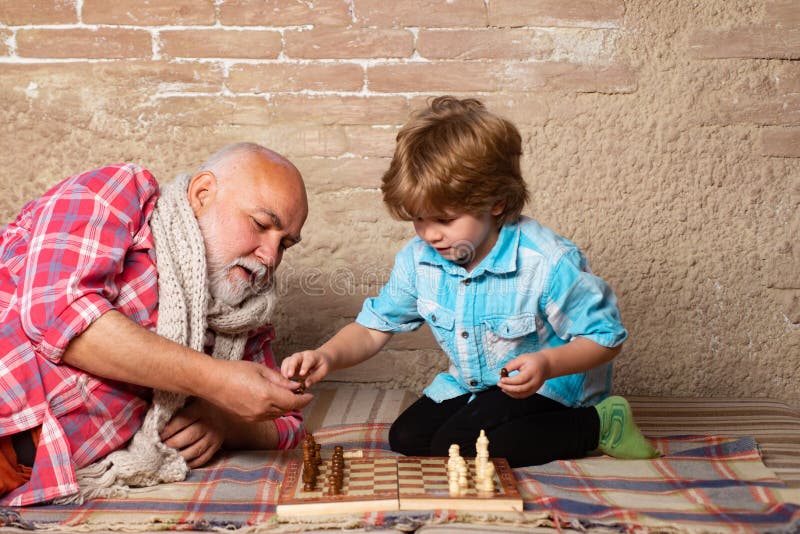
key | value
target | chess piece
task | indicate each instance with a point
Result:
(452, 470)
(310, 466)
(462, 477)
(302, 381)
(453, 451)
(452, 483)
(486, 486)
(482, 444)
(482, 457)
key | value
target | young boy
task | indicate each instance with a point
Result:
(529, 331)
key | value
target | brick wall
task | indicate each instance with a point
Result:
(660, 136)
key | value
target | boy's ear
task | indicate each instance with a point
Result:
(203, 189)
(498, 208)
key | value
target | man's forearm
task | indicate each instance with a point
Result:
(116, 348)
(241, 435)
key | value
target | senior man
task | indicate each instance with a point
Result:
(113, 294)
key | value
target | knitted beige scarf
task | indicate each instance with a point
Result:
(185, 311)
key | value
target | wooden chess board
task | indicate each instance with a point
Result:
(394, 483)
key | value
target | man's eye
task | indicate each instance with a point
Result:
(258, 224)
(444, 221)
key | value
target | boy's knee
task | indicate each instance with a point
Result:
(402, 439)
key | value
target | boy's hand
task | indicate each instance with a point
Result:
(314, 365)
(533, 369)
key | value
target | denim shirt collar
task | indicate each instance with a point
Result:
(501, 259)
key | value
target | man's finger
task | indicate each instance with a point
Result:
(176, 425)
(277, 378)
(288, 401)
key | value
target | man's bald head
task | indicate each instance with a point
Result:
(224, 156)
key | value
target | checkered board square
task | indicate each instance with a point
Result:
(423, 485)
(369, 485)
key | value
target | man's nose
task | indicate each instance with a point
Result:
(268, 252)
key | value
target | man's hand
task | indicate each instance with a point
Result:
(254, 392)
(534, 369)
(196, 431)
(314, 365)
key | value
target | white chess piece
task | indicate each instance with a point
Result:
(481, 458)
(452, 461)
(462, 477)
(452, 470)
(482, 444)
(452, 483)
(486, 485)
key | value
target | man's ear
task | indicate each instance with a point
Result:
(202, 191)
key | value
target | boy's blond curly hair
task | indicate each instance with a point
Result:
(455, 156)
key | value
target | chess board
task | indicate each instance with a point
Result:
(394, 483)
(369, 485)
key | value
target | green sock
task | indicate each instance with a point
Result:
(619, 435)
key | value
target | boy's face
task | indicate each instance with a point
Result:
(462, 238)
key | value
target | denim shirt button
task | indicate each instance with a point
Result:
(468, 281)
(465, 334)
(473, 383)
(433, 318)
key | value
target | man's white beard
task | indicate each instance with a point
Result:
(223, 288)
(233, 291)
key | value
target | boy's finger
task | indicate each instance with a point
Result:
(287, 367)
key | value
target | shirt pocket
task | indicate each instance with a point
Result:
(507, 336)
(441, 321)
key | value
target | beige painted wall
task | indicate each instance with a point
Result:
(663, 137)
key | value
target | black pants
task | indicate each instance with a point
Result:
(529, 431)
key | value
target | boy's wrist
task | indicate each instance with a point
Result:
(548, 363)
(326, 358)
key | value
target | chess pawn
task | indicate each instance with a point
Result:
(486, 486)
(452, 484)
(454, 455)
(462, 477)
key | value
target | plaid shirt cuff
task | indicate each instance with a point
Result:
(73, 321)
(290, 430)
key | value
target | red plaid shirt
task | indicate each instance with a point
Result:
(83, 248)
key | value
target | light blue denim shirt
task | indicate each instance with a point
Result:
(533, 290)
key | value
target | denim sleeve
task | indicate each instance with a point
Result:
(395, 307)
(578, 303)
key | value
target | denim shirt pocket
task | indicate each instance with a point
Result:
(507, 336)
(441, 321)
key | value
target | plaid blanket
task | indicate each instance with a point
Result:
(702, 484)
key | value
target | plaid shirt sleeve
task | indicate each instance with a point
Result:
(81, 234)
